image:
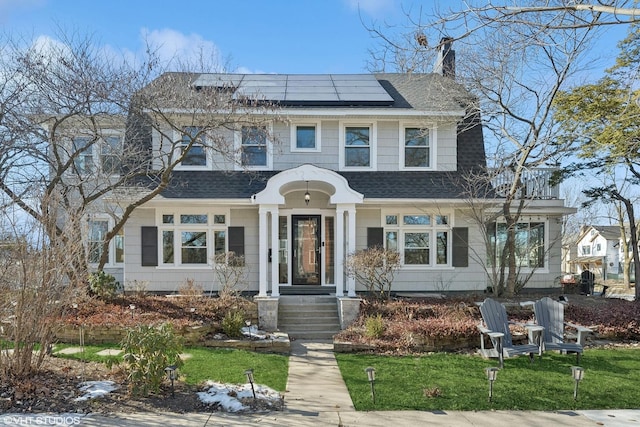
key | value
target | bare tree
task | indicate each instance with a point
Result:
(77, 124)
(32, 291)
(515, 62)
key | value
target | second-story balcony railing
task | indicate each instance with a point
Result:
(535, 183)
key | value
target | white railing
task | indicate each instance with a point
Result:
(535, 183)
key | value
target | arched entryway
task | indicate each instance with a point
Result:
(307, 223)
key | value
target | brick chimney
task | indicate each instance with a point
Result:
(446, 61)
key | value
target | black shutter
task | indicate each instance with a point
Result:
(375, 237)
(149, 246)
(460, 247)
(236, 240)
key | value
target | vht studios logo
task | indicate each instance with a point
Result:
(40, 420)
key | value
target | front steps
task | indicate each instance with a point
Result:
(308, 317)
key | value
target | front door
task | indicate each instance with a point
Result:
(306, 258)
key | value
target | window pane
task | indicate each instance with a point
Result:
(329, 252)
(193, 219)
(391, 240)
(414, 137)
(417, 220)
(119, 245)
(416, 248)
(536, 243)
(392, 219)
(283, 264)
(254, 155)
(305, 137)
(220, 241)
(219, 219)
(194, 247)
(110, 157)
(254, 135)
(416, 157)
(167, 219)
(83, 150)
(441, 247)
(167, 247)
(196, 155)
(356, 156)
(356, 136)
(442, 220)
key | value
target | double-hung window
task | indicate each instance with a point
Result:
(193, 147)
(83, 152)
(358, 146)
(416, 148)
(192, 238)
(253, 147)
(422, 239)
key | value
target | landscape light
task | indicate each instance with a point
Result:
(578, 374)
(492, 374)
(171, 375)
(249, 374)
(371, 376)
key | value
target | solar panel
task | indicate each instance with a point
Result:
(302, 88)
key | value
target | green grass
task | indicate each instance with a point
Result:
(221, 365)
(228, 366)
(611, 381)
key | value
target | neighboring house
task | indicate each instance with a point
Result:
(361, 160)
(598, 250)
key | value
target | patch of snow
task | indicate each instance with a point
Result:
(229, 396)
(93, 389)
(253, 332)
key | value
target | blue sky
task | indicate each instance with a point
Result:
(257, 36)
(271, 36)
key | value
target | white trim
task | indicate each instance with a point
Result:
(373, 145)
(237, 144)
(327, 112)
(401, 229)
(294, 126)
(432, 145)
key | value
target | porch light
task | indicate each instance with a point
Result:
(578, 374)
(307, 196)
(492, 374)
(249, 374)
(171, 375)
(371, 376)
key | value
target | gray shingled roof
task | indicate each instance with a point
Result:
(426, 92)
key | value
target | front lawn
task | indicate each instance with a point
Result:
(442, 381)
(202, 364)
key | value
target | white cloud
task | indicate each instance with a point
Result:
(175, 48)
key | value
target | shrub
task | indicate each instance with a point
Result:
(375, 268)
(232, 324)
(374, 326)
(148, 351)
(103, 285)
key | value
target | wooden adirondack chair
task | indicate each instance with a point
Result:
(550, 315)
(496, 326)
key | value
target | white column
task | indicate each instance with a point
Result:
(275, 253)
(262, 251)
(340, 257)
(351, 247)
